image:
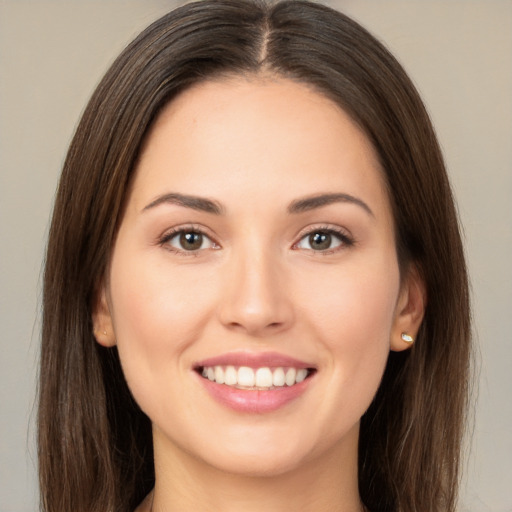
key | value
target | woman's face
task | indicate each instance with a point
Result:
(257, 248)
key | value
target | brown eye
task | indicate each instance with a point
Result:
(188, 241)
(323, 240)
(320, 241)
(191, 241)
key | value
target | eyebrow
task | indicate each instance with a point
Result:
(196, 203)
(317, 201)
(298, 206)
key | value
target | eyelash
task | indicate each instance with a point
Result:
(345, 240)
(169, 235)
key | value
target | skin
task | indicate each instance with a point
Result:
(254, 146)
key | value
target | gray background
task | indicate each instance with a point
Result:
(459, 53)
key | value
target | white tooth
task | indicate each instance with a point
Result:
(211, 373)
(263, 377)
(219, 375)
(278, 377)
(230, 376)
(245, 376)
(301, 375)
(204, 373)
(290, 376)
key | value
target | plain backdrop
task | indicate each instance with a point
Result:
(459, 53)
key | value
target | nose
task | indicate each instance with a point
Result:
(256, 298)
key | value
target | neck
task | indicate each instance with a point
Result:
(327, 483)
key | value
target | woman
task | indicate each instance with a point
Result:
(255, 292)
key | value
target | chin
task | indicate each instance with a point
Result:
(259, 466)
(265, 455)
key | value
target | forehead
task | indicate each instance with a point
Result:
(256, 135)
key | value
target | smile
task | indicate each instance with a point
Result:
(255, 382)
(263, 378)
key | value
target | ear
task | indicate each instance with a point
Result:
(102, 319)
(410, 310)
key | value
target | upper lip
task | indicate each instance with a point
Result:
(254, 360)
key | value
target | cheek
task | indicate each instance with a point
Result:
(352, 313)
(359, 300)
(158, 311)
(149, 295)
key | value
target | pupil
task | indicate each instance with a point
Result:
(191, 241)
(320, 241)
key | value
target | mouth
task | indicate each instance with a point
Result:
(254, 383)
(263, 378)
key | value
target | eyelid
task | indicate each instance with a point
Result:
(170, 233)
(346, 238)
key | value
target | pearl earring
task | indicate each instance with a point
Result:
(407, 338)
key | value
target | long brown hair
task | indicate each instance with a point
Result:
(95, 446)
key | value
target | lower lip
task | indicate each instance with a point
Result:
(252, 400)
